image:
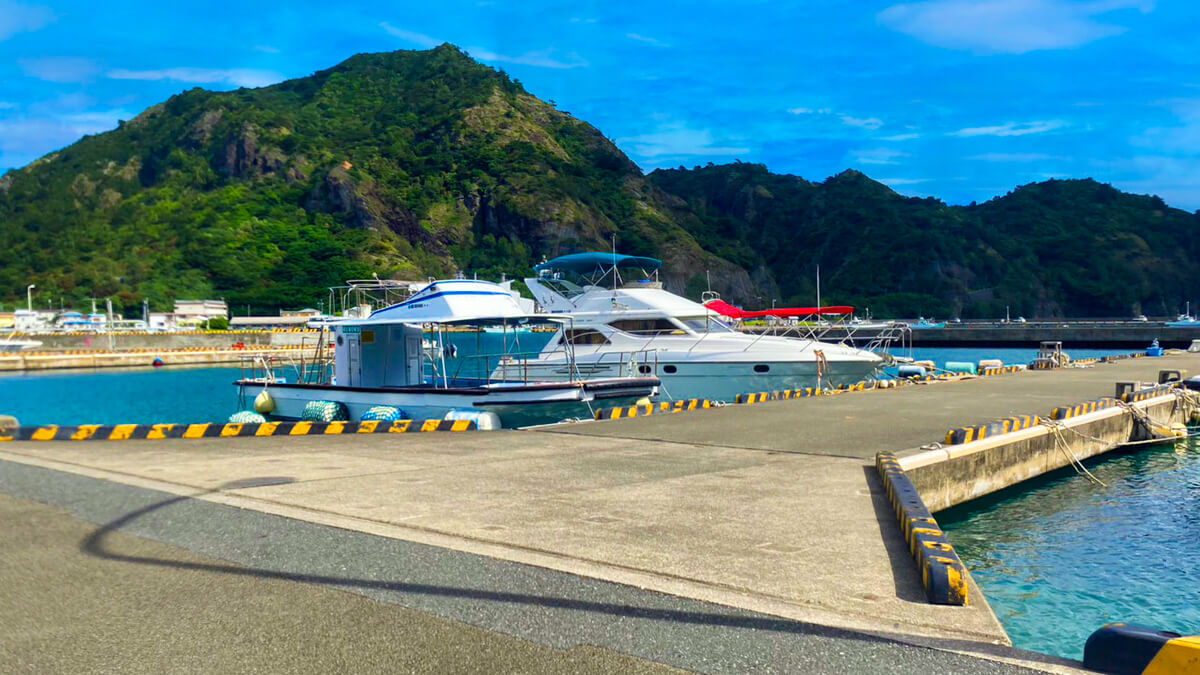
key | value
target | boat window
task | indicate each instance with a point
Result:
(660, 326)
(563, 287)
(586, 337)
(668, 369)
(645, 370)
(705, 324)
(762, 368)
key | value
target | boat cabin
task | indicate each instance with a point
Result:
(378, 355)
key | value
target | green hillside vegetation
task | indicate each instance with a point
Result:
(426, 163)
(405, 164)
(1058, 248)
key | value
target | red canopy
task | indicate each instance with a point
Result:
(725, 309)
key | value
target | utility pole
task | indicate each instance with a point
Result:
(29, 296)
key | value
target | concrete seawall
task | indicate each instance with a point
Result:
(145, 357)
(956, 474)
(125, 341)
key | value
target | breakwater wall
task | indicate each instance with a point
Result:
(21, 361)
(180, 340)
(957, 473)
(1077, 335)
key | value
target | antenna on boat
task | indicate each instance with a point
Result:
(818, 285)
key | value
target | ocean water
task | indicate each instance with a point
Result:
(120, 396)
(194, 395)
(1009, 355)
(1060, 556)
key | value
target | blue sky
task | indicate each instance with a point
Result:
(958, 99)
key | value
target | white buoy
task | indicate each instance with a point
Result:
(264, 403)
(484, 420)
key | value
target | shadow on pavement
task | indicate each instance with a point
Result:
(95, 545)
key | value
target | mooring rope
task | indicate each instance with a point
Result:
(1061, 444)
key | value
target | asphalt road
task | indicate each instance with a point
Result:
(170, 584)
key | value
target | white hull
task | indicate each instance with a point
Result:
(516, 405)
(717, 381)
(10, 346)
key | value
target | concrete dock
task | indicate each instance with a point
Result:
(740, 538)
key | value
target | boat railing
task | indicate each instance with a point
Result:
(881, 338)
(530, 367)
(292, 366)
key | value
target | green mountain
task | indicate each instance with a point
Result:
(1057, 248)
(425, 163)
(407, 164)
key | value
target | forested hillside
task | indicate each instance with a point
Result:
(1058, 248)
(425, 163)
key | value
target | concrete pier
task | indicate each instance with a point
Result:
(771, 511)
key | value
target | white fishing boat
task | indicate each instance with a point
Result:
(12, 344)
(617, 307)
(403, 357)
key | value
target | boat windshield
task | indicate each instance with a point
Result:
(565, 288)
(704, 324)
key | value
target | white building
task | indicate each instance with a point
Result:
(196, 312)
(35, 321)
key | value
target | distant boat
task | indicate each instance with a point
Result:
(10, 345)
(922, 322)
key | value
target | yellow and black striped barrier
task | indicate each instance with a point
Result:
(1000, 370)
(979, 432)
(1123, 649)
(942, 572)
(647, 409)
(129, 432)
(806, 392)
(1151, 392)
(1069, 411)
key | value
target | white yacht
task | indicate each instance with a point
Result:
(404, 357)
(620, 315)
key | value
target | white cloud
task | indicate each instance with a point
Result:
(901, 137)
(1014, 157)
(1012, 129)
(1007, 26)
(1182, 137)
(60, 68)
(24, 140)
(419, 39)
(876, 156)
(647, 40)
(7, 105)
(542, 59)
(266, 49)
(678, 140)
(241, 77)
(902, 181)
(576, 19)
(871, 123)
(18, 18)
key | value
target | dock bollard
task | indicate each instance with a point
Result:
(1122, 649)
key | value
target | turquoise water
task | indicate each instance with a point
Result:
(190, 395)
(1060, 556)
(1009, 355)
(120, 396)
